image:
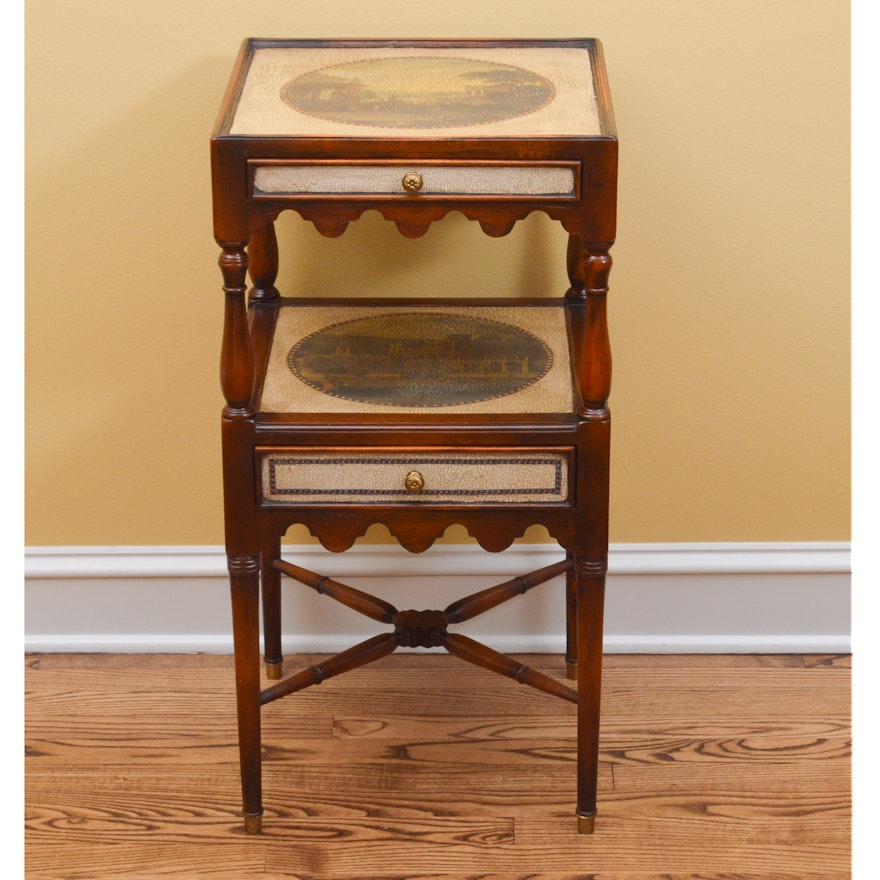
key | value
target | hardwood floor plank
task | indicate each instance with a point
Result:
(713, 807)
(611, 874)
(215, 798)
(426, 659)
(617, 733)
(149, 861)
(727, 662)
(831, 777)
(478, 833)
(838, 661)
(443, 780)
(646, 846)
(459, 740)
(147, 662)
(792, 749)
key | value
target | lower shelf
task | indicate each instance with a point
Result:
(422, 357)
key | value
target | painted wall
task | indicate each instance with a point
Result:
(730, 292)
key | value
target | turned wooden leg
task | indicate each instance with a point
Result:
(590, 585)
(270, 582)
(589, 265)
(571, 625)
(244, 579)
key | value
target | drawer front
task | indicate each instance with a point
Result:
(556, 180)
(389, 476)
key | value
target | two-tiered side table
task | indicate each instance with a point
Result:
(342, 412)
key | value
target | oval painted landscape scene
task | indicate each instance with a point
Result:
(418, 92)
(420, 359)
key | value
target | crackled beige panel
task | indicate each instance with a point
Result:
(449, 477)
(314, 384)
(436, 179)
(418, 92)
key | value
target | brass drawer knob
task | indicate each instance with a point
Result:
(414, 482)
(412, 181)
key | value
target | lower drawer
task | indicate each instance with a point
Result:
(395, 476)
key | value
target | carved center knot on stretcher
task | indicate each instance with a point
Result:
(420, 629)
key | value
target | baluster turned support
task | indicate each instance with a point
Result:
(589, 265)
(263, 263)
(236, 356)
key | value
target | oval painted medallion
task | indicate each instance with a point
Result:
(420, 359)
(418, 92)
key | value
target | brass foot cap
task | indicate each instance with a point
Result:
(571, 669)
(586, 824)
(273, 669)
(253, 824)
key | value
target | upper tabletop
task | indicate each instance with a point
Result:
(418, 89)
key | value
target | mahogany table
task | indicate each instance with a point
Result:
(342, 412)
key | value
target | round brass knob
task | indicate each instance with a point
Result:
(414, 482)
(412, 181)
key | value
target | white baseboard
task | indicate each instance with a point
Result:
(662, 598)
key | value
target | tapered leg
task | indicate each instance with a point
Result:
(244, 579)
(270, 582)
(589, 265)
(590, 585)
(242, 545)
(571, 624)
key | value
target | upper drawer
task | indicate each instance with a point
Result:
(558, 180)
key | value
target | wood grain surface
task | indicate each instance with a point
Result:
(420, 767)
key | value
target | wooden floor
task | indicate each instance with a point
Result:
(420, 767)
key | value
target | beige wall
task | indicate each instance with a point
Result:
(730, 292)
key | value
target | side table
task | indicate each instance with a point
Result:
(416, 413)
